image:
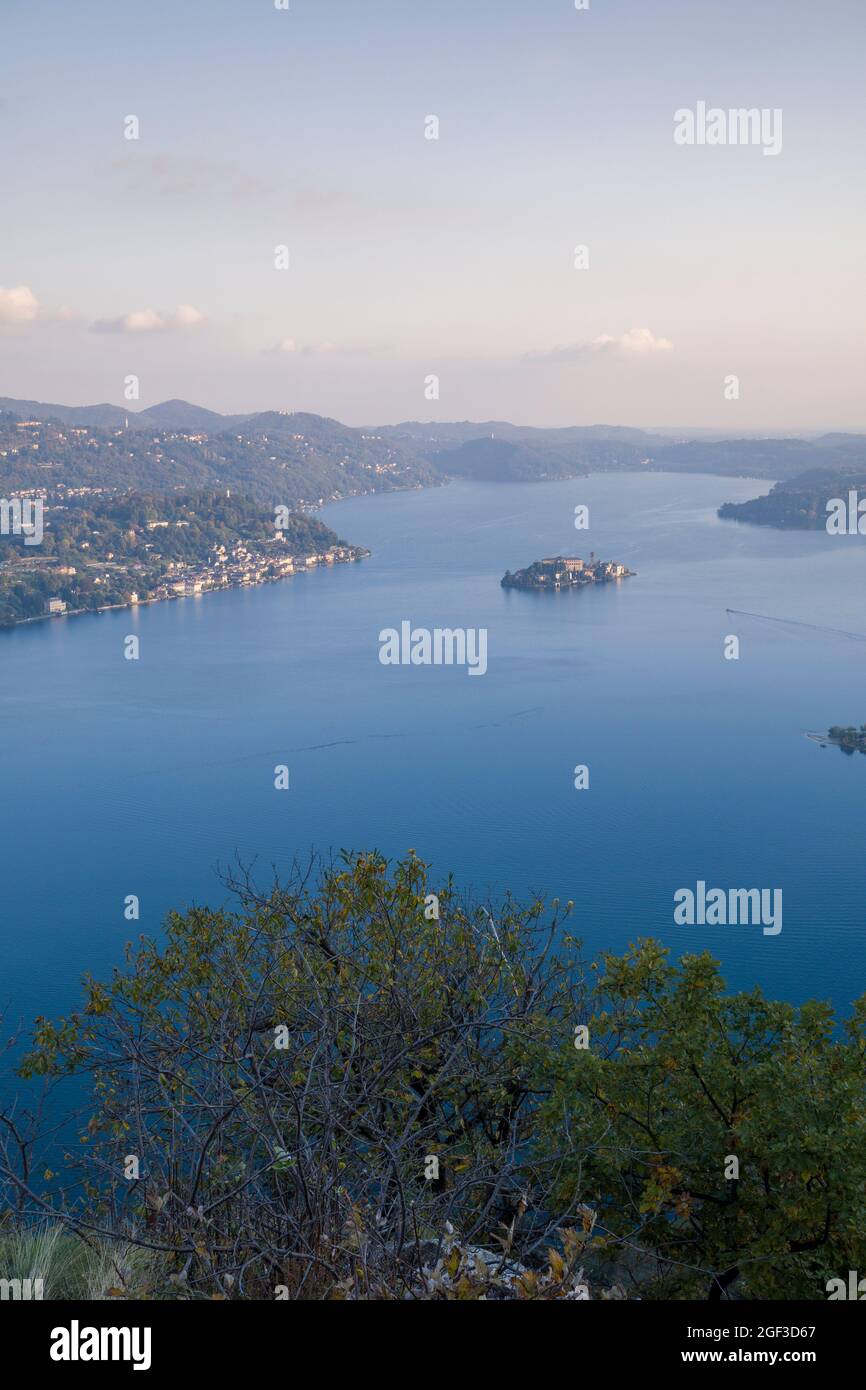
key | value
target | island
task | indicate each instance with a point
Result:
(566, 572)
(849, 738)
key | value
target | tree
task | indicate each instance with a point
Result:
(679, 1081)
(356, 1084)
(320, 1088)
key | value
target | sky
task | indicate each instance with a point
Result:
(721, 287)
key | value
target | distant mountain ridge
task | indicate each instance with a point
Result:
(180, 415)
(438, 437)
(173, 414)
(509, 460)
(183, 415)
(302, 458)
(298, 460)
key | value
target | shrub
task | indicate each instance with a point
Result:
(316, 1085)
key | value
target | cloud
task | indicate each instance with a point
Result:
(292, 346)
(149, 321)
(637, 342)
(317, 349)
(19, 305)
(186, 316)
(289, 345)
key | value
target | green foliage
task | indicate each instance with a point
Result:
(283, 1073)
(679, 1077)
(72, 1266)
(286, 1070)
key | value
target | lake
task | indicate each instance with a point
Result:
(144, 777)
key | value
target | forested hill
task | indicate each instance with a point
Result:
(800, 503)
(500, 452)
(280, 459)
(299, 458)
(504, 460)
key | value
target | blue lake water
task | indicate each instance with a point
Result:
(124, 777)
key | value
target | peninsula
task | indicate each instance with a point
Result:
(565, 572)
(104, 550)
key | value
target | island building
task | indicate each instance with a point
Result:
(566, 571)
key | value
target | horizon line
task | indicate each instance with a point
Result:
(754, 431)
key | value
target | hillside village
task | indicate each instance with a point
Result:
(104, 550)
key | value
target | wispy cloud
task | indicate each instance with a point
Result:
(637, 342)
(173, 176)
(194, 178)
(150, 321)
(291, 347)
